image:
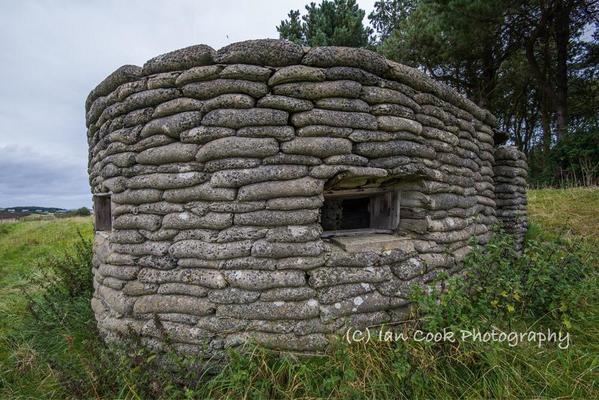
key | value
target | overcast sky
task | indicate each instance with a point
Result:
(52, 53)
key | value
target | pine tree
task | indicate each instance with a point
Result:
(331, 23)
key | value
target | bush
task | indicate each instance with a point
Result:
(80, 212)
(573, 161)
(550, 282)
(547, 281)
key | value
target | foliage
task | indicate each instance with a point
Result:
(461, 42)
(533, 64)
(54, 351)
(82, 212)
(331, 23)
(79, 212)
(388, 15)
(577, 156)
(573, 161)
(22, 247)
(547, 280)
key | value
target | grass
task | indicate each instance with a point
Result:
(573, 211)
(49, 348)
(25, 250)
(23, 246)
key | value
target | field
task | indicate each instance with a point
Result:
(49, 348)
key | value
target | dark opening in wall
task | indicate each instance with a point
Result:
(102, 212)
(346, 214)
(359, 211)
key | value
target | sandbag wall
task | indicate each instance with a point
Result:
(216, 162)
(511, 173)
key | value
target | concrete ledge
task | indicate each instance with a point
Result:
(369, 242)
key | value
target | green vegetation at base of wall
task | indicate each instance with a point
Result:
(49, 346)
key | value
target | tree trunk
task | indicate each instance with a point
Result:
(541, 72)
(562, 37)
(546, 125)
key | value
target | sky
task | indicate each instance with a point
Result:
(53, 53)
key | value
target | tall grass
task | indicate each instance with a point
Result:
(570, 211)
(53, 350)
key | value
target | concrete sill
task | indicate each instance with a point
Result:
(369, 242)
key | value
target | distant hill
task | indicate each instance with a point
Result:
(36, 212)
(32, 209)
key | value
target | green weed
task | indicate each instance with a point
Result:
(49, 346)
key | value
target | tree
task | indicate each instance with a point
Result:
(555, 27)
(388, 15)
(532, 63)
(516, 102)
(83, 211)
(583, 90)
(291, 29)
(470, 44)
(461, 42)
(331, 23)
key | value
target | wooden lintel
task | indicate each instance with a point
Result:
(366, 192)
(353, 232)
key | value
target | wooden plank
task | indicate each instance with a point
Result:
(102, 213)
(384, 211)
(353, 232)
(353, 193)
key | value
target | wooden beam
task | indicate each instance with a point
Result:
(353, 193)
(384, 211)
(102, 213)
(353, 232)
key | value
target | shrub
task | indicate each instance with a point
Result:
(547, 281)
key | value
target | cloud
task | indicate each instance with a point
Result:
(31, 178)
(53, 53)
